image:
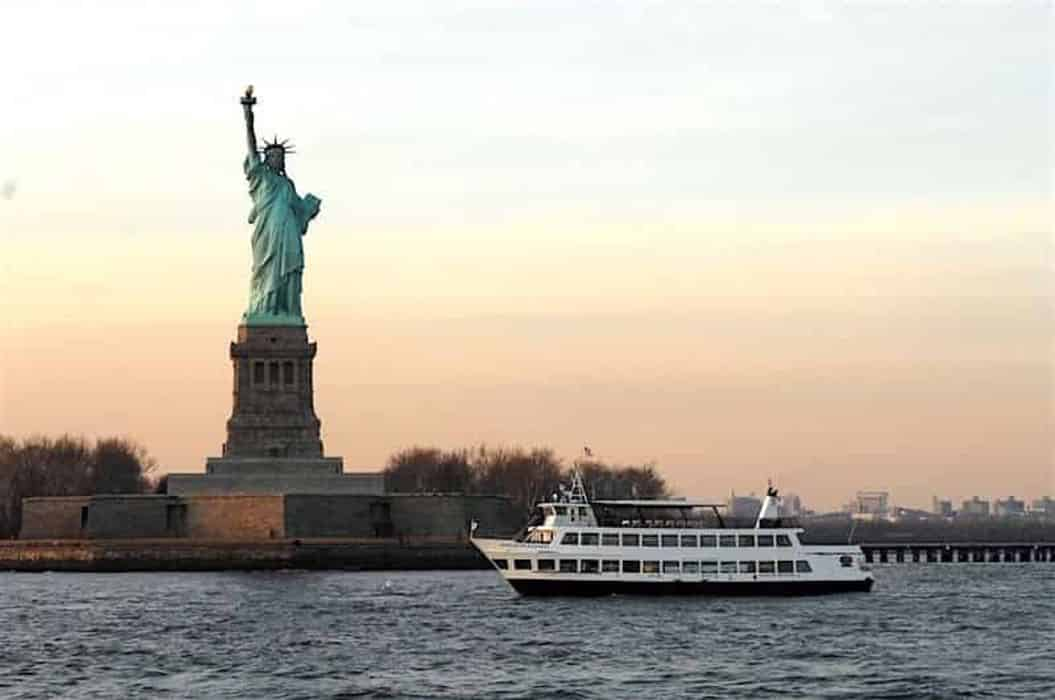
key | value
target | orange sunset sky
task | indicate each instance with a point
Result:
(807, 241)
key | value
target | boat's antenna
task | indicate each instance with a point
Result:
(853, 526)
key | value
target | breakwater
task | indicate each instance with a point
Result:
(958, 552)
(375, 554)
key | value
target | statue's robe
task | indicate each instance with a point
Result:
(279, 217)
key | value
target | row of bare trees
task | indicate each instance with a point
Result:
(67, 466)
(526, 475)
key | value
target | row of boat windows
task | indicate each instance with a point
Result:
(564, 510)
(612, 539)
(631, 566)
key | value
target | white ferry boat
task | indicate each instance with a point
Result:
(573, 546)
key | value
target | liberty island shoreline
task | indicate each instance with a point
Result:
(417, 554)
(125, 556)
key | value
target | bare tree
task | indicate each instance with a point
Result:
(527, 476)
(67, 466)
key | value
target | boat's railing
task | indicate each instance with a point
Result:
(688, 523)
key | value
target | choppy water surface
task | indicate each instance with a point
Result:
(983, 630)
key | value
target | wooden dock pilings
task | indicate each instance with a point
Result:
(958, 552)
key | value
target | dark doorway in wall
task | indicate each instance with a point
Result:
(381, 518)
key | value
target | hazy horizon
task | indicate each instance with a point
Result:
(808, 242)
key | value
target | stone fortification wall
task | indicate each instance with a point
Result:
(53, 518)
(234, 517)
(429, 516)
(336, 516)
(397, 515)
(228, 484)
(495, 514)
(266, 517)
(132, 516)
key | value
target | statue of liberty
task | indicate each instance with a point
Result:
(279, 217)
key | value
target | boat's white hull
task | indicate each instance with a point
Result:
(661, 586)
(828, 573)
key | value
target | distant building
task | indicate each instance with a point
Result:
(871, 505)
(905, 515)
(975, 508)
(1043, 507)
(743, 507)
(1011, 507)
(941, 507)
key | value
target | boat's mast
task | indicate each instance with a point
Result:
(578, 491)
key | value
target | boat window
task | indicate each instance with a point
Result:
(727, 540)
(570, 538)
(650, 567)
(649, 540)
(610, 566)
(747, 540)
(610, 539)
(785, 567)
(803, 567)
(569, 566)
(747, 567)
(522, 564)
(708, 567)
(669, 540)
(502, 563)
(688, 540)
(767, 567)
(540, 536)
(708, 541)
(582, 512)
(631, 567)
(589, 538)
(765, 540)
(631, 540)
(690, 567)
(846, 560)
(546, 565)
(561, 510)
(589, 566)
(728, 567)
(672, 567)
(783, 541)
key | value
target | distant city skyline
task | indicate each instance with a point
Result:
(808, 242)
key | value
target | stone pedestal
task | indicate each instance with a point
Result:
(274, 409)
(273, 435)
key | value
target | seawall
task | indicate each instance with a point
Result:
(228, 555)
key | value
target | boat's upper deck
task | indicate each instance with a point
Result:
(651, 514)
(592, 536)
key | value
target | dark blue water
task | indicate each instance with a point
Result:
(984, 630)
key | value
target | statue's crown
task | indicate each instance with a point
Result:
(284, 145)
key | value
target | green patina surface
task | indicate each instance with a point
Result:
(280, 217)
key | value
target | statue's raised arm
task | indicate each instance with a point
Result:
(247, 108)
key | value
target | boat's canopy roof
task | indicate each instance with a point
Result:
(654, 503)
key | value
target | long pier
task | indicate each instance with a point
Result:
(958, 552)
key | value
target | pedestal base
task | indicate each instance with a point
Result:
(276, 483)
(256, 466)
